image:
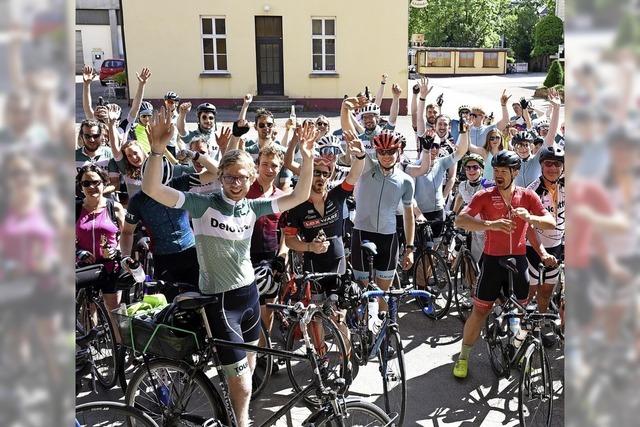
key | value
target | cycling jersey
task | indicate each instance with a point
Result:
(117, 168)
(530, 170)
(265, 232)
(367, 137)
(555, 206)
(467, 190)
(191, 183)
(429, 186)
(305, 220)
(168, 228)
(101, 158)
(377, 196)
(490, 205)
(93, 230)
(223, 230)
(478, 135)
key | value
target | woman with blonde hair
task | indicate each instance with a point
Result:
(493, 143)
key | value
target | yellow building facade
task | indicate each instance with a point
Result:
(460, 61)
(313, 52)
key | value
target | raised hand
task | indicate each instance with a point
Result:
(223, 138)
(185, 107)
(307, 135)
(143, 75)
(384, 78)
(554, 97)
(504, 98)
(395, 89)
(113, 112)
(159, 130)
(184, 155)
(354, 143)
(248, 98)
(424, 87)
(88, 74)
(355, 102)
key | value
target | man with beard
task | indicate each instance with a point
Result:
(506, 212)
(370, 115)
(206, 114)
(92, 150)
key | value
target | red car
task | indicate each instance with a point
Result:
(109, 68)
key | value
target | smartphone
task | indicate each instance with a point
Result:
(367, 94)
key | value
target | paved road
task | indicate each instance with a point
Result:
(435, 397)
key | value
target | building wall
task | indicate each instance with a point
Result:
(176, 56)
(95, 36)
(455, 69)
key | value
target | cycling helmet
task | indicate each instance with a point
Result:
(506, 158)
(542, 124)
(552, 152)
(370, 108)
(208, 107)
(464, 107)
(475, 157)
(522, 136)
(167, 169)
(146, 108)
(386, 140)
(328, 140)
(264, 278)
(172, 96)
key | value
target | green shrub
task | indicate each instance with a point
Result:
(555, 75)
(120, 78)
(548, 34)
(510, 60)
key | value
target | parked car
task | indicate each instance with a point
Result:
(109, 68)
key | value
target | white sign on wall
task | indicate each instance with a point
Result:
(522, 67)
(418, 4)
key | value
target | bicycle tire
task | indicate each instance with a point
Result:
(357, 413)
(104, 350)
(115, 413)
(394, 379)
(496, 338)
(535, 390)
(300, 373)
(264, 365)
(204, 401)
(440, 286)
(462, 289)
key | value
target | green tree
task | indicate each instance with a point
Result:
(548, 34)
(464, 23)
(518, 29)
(555, 76)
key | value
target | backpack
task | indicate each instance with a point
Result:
(111, 208)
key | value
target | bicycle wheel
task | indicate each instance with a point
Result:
(496, 337)
(264, 364)
(535, 391)
(463, 283)
(332, 359)
(431, 273)
(172, 394)
(357, 413)
(394, 381)
(111, 414)
(93, 314)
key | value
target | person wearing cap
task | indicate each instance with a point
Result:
(473, 165)
(521, 120)
(206, 116)
(171, 103)
(478, 130)
(463, 112)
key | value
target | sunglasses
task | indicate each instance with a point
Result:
(322, 124)
(494, 138)
(91, 135)
(263, 125)
(472, 167)
(142, 116)
(230, 179)
(87, 183)
(464, 112)
(552, 163)
(435, 145)
(208, 117)
(386, 152)
(330, 151)
(323, 174)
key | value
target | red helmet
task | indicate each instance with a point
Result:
(388, 141)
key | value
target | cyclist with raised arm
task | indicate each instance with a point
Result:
(506, 211)
(223, 223)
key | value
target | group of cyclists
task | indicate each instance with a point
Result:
(226, 213)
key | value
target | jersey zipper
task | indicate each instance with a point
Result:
(384, 178)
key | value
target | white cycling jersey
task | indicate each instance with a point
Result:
(555, 206)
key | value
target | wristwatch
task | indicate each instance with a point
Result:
(412, 248)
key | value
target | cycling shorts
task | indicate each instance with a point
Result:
(494, 280)
(551, 274)
(178, 267)
(384, 263)
(328, 285)
(235, 317)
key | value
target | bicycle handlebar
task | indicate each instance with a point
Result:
(396, 293)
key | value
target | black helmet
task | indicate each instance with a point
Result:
(172, 96)
(552, 152)
(210, 108)
(506, 158)
(522, 136)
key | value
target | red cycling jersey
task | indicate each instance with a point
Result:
(490, 205)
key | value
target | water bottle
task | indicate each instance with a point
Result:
(519, 338)
(165, 395)
(514, 326)
(135, 269)
(292, 116)
(372, 307)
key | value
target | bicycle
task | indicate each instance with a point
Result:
(508, 348)
(175, 392)
(431, 273)
(465, 274)
(384, 343)
(111, 414)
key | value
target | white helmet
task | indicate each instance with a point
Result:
(264, 278)
(370, 108)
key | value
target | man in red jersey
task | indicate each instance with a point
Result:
(505, 214)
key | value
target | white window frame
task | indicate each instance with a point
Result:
(213, 37)
(323, 37)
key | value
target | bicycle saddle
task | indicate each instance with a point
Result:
(509, 264)
(193, 300)
(369, 248)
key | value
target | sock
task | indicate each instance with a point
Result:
(464, 352)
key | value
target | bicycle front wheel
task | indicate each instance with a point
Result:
(394, 381)
(463, 283)
(430, 272)
(331, 356)
(111, 414)
(357, 413)
(535, 391)
(497, 338)
(171, 393)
